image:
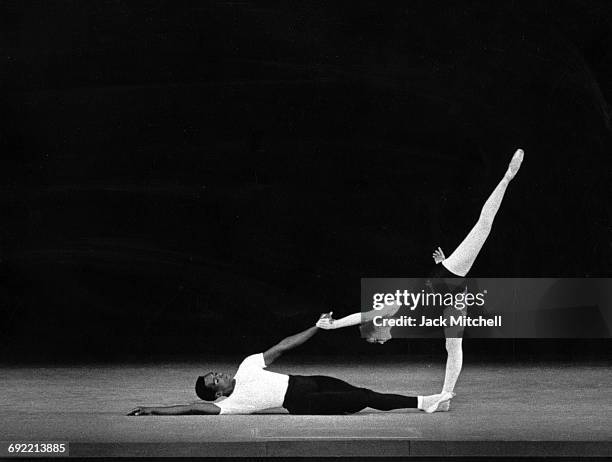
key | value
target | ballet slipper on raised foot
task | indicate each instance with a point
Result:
(515, 164)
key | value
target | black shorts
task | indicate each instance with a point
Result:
(443, 281)
(447, 281)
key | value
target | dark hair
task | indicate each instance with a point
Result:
(203, 392)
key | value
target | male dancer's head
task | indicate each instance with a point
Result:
(213, 385)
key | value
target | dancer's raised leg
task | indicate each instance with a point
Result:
(462, 259)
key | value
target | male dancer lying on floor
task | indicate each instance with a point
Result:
(253, 389)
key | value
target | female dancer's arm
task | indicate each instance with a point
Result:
(330, 323)
(356, 318)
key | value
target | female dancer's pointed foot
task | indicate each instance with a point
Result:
(515, 164)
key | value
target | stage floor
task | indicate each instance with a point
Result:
(556, 409)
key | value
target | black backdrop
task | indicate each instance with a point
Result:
(206, 177)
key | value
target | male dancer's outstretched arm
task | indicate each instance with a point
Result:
(198, 408)
(287, 344)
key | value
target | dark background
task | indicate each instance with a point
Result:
(207, 177)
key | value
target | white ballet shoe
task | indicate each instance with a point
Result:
(432, 402)
(515, 164)
(444, 406)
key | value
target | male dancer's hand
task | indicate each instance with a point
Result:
(140, 411)
(326, 321)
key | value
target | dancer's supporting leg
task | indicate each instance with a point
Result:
(462, 259)
(454, 363)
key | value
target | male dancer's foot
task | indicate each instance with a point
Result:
(431, 403)
(515, 164)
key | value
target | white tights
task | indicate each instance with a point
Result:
(460, 262)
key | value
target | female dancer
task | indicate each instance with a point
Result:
(455, 266)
